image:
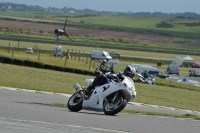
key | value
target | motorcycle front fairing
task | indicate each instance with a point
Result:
(98, 97)
(96, 100)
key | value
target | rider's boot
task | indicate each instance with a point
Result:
(88, 91)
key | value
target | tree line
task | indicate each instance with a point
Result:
(88, 12)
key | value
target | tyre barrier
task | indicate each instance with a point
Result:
(1, 59)
(39, 65)
(7, 60)
(59, 68)
(29, 63)
(73, 70)
(50, 67)
(89, 73)
(79, 71)
(68, 70)
(18, 62)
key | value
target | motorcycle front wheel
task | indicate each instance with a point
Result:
(112, 108)
(75, 102)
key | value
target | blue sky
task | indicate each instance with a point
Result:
(167, 6)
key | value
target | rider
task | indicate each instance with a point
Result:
(100, 79)
(145, 74)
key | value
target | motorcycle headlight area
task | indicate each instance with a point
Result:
(130, 88)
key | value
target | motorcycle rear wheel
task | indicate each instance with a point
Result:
(75, 102)
(116, 107)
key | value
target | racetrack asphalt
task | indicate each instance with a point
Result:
(130, 105)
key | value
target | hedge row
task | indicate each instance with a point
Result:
(43, 66)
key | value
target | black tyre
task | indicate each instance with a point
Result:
(75, 102)
(112, 109)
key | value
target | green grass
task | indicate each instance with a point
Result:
(186, 41)
(41, 35)
(75, 63)
(130, 24)
(89, 49)
(49, 59)
(125, 23)
(62, 82)
(180, 96)
(186, 116)
(35, 15)
(39, 79)
(142, 24)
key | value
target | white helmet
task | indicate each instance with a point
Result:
(130, 71)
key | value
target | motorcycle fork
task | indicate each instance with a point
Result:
(112, 101)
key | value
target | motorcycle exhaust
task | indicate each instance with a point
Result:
(77, 87)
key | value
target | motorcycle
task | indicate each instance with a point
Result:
(110, 98)
(149, 80)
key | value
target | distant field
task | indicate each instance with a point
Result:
(123, 29)
(144, 24)
(181, 26)
(29, 14)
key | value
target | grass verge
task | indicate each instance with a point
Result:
(62, 82)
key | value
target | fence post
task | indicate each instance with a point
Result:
(18, 46)
(86, 60)
(66, 59)
(90, 64)
(94, 63)
(75, 54)
(12, 51)
(9, 47)
(34, 50)
(38, 55)
(72, 53)
(37, 50)
(79, 54)
(83, 57)
(98, 64)
(68, 54)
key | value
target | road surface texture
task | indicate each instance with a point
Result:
(25, 111)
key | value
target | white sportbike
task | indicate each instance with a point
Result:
(110, 98)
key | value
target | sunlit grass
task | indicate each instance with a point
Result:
(186, 116)
(62, 82)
